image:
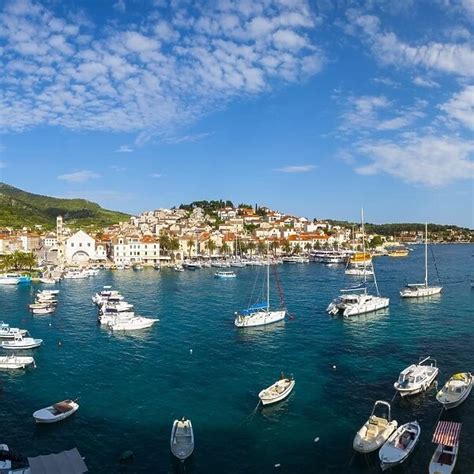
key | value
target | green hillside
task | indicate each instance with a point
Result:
(19, 209)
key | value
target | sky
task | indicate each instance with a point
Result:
(314, 108)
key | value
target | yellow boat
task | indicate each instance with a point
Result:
(398, 253)
(360, 257)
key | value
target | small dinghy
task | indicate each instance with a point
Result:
(455, 390)
(16, 362)
(20, 342)
(57, 412)
(417, 377)
(278, 391)
(182, 439)
(446, 436)
(376, 430)
(399, 446)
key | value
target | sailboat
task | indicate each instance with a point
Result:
(355, 301)
(260, 314)
(420, 290)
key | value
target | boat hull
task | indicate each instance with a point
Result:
(421, 292)
(182, 439)
(44, 416)
(266, 400)
(422, 387)
(391, 455)
(447, 399)
(437, 467)
(259, 318)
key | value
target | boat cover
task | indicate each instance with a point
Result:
(253, 308)
(66, 462)
(447, 433)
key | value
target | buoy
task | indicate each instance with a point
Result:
(316, 439)
(190, 351)
(60, 343)
(334, 367)
(277, 465)
(50, 325)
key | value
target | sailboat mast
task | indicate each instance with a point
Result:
(268, 280)
(426, 254)
(363, 243)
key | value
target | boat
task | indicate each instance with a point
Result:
(20, 342)
(224, 274)
(48, 281)
(41, 308)
(7, 332)
(178, 268)
(359, 271)
(416, 378)
(455, 390)
(9, 279)
(400, 252)
(75, 275)
(105, 295)
(131, 324)
(16, 362)
(376, 430)
(57, 412)
(48, 292)
(278, 391)
(260, 314)
(5, 461)
(137, 267)
(156, 266)
(295, 259)
(182, 439)
(446, 436)
(399, 446)
(357, 300)
(420, 290)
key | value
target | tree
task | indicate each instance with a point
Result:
(18, 261)
(308, 246)
(261, 247)
(376, 241)
(251, 247)
(274, 246)
(286, 246)
(225, 249)
(317, 245)
(297, 249)
(190, 245)
(164, 242)
(211, 246)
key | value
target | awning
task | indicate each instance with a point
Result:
(447, 433)
(67, 462)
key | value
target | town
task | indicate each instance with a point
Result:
(203, 229)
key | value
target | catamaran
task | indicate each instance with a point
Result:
(419, 290)
(260, 314)
(357, 300)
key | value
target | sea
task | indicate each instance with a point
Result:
(195, 363)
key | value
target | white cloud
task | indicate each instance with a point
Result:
(79, 176)
(120, 6)
(156, 175)
(461, 107)
(124, 149)
(296, 169)
(426, 160)
(425, 82)
(155, 78)
(453, 58)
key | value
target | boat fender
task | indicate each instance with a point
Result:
(316, 439)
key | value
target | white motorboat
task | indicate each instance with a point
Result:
(5, 462)
(417, 377)
(20, 342)
(224, 274)
(376, 430)
(420, 290)
(260, 314)
(182, 439)
(9, 279)
(16, 362)
(178, 268)
(111, 317)
(6, 332)
(48, 281)
(113, 307)
(75, 275)
(278, 391)
(359, 271)
(455, 390)
(446, 436)
(48, 292)
(42, 308)
(295, 259)
(131, 324)
(399, 446)
(57, 412)
(355, 301)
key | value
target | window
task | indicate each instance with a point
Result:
(72, 244)
(88, 244)
(80, 244)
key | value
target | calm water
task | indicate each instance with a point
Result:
(132, 387)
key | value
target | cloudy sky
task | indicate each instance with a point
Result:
(312, 107)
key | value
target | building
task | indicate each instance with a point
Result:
(79, 248)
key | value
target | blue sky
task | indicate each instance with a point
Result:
(313, 108)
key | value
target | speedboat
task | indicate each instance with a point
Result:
(182, 439)
(20, 342)
(42, 308)
(224, 274)
(351, 303)
(57, 412)
(75, 275)
(5, 461)
(455, 390)
(6, 332)
(358, 271)
(16, 362)
(399, 446)
(446, 436)
(131, 324)
(376, 430)
(416, 378)
(48, 292)
(178, 268)
(278, 391)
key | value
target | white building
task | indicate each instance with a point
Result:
(79, 248)
(130, 250)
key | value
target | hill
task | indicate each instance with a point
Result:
(22, 209)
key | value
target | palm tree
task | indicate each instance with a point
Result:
(164, 243)
(190, 245)
(211, 246)
(297, 249)
(274, 246)
(307, 247)
(225, 248)
(261, 247)
(251, 247)
(173, 247)
(286, 246)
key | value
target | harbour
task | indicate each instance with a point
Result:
(195, 363)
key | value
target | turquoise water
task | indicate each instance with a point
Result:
(132, 387)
